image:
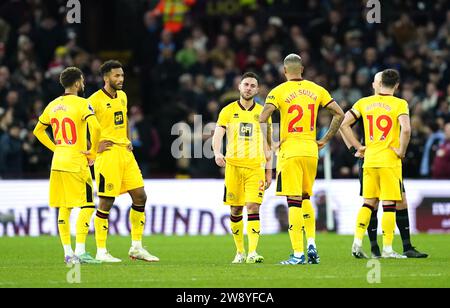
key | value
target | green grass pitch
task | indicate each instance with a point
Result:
(204, 262)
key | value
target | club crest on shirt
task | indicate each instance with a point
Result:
(231, 196)
(110, 187)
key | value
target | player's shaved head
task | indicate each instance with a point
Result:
(378, 76)
(293, 64)
(377, 82)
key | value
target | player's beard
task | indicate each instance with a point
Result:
(81, 93)
(248, 98)
(116, 87)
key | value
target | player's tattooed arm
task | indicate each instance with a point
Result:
(348, 135)
(338, 116)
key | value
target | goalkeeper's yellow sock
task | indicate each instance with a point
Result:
(101, 229)
(295, 226)
(237, 228)
(388, 226)
(83, 224)
(362, 223)
(253, 232)
(64, 230)
(137, 220)
(309, 218)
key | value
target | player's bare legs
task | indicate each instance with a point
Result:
(295, 230)
(137, 221)
(101, 229)
(237, 229)
(253, 233)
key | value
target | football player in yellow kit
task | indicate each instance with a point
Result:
(70, 178)
(298, 101)
(247, 174)
(387, 133)
(116, 169)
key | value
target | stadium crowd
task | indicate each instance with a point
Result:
(194, 70)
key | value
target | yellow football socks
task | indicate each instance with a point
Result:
(309, 219)
(237, 228)
(101, 228)
(388, 224)
(362, 221)
(253, 232)
(64, 225)
(295, 225)
(83, 223)
(137, 220)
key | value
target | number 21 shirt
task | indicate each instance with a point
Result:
(299, 102)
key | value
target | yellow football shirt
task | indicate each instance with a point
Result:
(67, 116)
(380, 115)
(298, 102)
(244, 135)
(111, 113)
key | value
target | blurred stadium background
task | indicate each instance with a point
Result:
(184, 58)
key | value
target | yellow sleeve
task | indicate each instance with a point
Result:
(224, 118)
(41, 135)
(87, 111)
(272, 98)
(45, 117)
(93, 102)
(95, 131)
(356, 110)
(404, 108)
(326, 98)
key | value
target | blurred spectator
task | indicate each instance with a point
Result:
(346, 91)
(144, 138)
(11, 154)
(186, 62)
(441, 164)
(432, 145)
(415, 149)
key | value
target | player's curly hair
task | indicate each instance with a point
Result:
(70, 76)
(108, 66)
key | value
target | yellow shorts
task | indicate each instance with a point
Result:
(243, 185)
(117, 172)
(384, 184)
(296, 176)
(71, 189)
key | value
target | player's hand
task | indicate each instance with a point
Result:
(400, 154)
(90, 157)
(360, 152)
(269, 176)
(104, 146)
(220, 160)
(321, 144)
(130, 147)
